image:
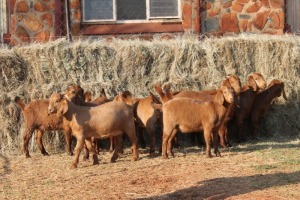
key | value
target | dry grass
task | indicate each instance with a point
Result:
(268, 169)
(35, 71)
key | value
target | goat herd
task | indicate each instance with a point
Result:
(208, 111)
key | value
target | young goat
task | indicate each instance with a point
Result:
(263, 101)
(109, 119)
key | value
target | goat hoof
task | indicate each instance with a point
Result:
(46, 154)
(134, 158)
(73, 166)
(28, 156)
(96, 162)
(165, 157)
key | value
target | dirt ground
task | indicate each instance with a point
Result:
(268, 169)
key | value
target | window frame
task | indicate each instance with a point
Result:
(147, 20)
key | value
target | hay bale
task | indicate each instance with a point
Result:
(36, 70)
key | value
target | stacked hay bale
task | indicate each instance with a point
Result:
(35, 71)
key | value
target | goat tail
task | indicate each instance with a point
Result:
(20, 102)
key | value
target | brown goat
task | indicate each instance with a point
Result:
(255, 82)
(263, 101)
(145, 115)
(190, 115)
(231, 81)
(109, 119)
(37, 119)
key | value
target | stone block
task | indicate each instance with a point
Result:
(230, 23)
(47, 19)
(22, 34)
(33, 23)
(40, 7)
(22, 7)
(237, 7)
(277, 4)
(265, 3)
(42, 36)
(211, 24)
(253, 8)
(243, 1)
(261, 19)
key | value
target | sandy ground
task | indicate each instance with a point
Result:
(261, 170)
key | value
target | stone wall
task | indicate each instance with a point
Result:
(32, 21)
(256, 16)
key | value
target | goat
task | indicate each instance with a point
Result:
(263, 101)
(255, 82)
(109, 119)
(231, 81)
(190, 115)
(145, 115)
(37, 119)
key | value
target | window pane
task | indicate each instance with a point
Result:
(131, 9)
(166, 8)
(98, 9)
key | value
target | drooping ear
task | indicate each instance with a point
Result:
(251, 83)
(283, 92)
(62, 108)
(158, 89)
(168, 93)
(88, 96)
(219, 98)
(226, 83)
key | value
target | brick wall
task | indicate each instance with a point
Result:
(256, 16)
(32, 21)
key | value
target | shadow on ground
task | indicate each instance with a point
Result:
(221, 188)
(4, 161)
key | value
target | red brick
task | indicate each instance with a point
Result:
(229, 23)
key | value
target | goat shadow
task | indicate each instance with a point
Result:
(225, 187)
(5, 165)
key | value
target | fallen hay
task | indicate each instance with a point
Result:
(37, 70)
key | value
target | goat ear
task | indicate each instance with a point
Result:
(63, 108)
(251, 83)
(219, 98)
(226, 82)
(283, 92)
(158, 89)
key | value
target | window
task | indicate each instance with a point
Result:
(121, 11)
(292, 15)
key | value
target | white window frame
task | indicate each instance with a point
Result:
(148, 18)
